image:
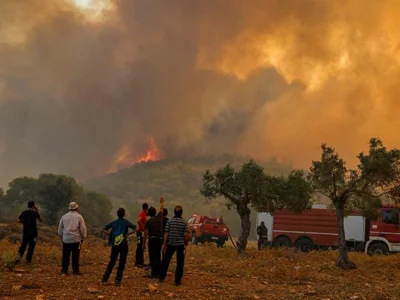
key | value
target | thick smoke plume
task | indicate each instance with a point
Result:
(262, 77)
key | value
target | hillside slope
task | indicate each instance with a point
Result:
(178, 181)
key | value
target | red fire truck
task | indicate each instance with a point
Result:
(205, 229)
(317, 229)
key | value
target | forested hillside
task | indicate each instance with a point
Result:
(178, 181)
(52, 193)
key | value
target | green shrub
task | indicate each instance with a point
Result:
(9, 259)
(14, 238)
(49, 240)
(3, 233)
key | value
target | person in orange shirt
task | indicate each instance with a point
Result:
(141, 223)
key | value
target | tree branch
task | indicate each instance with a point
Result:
(326, 195)
(334, 192)
(355, 182)
(352, 187)
(230, 197)
(388, 192)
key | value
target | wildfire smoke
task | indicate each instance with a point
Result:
(80, 84)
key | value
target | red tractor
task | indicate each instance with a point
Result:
(204, 229)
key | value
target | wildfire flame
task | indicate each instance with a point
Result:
(125, 157)
(152, 154)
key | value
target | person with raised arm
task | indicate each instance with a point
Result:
(30, 232)
(154, 234)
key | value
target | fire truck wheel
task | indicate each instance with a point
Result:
(194, 240)
(378, 249)
(282, 241)
(304, 245)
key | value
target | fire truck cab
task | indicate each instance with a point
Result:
(317, 229)
(384, 233)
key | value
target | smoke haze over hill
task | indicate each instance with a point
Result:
(82, 89)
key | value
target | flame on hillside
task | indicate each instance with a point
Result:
(152, 154)
(126, 157)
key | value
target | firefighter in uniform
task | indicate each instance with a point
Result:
(262, 232)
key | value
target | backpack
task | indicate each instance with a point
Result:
(117, 234)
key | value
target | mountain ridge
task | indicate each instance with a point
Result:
(178, 181)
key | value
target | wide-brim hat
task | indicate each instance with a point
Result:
(73, 206)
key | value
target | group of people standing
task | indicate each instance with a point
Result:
(163, 236)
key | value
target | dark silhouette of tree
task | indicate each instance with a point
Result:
(377, 175)
(52, 193)
(250, 186)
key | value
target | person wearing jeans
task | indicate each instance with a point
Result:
(176, 239)
(28, 219)
(119, 245)
(141, 223)
(72, 231)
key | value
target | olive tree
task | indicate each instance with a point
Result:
(376, 175)
(250, 186)
(2, 204)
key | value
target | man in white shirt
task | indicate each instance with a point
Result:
(72, 230)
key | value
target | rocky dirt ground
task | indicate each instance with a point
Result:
(210, 273)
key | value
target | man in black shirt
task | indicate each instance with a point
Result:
(154, 233)
(28, 219)
(165, 219)
(262, 232)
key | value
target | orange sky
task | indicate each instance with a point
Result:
(349, 66)
(274, 78)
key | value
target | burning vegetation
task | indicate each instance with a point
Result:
(126, 155)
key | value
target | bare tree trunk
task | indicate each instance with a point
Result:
(343, 259)
(244, 213)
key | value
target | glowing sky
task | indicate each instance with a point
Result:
(84, 81)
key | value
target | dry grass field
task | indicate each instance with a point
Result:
(210, 273)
